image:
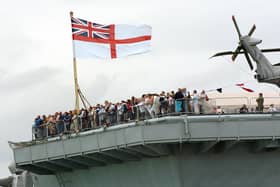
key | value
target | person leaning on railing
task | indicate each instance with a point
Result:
(74, 127)
(113, 114)
(170, 103)
(97, 109)
(91, 116)
(140, 107)
(163, 103)
(219, 110)
(188, 103)
(36, 127)
(129, 110)
(107, 121)
(179, 96)
(51, 125)
(205, 106)
(59, 123)
(82, 119)
(101, 115)
(43, 127)
(155, 110)
(195, 102)
(243, 109)
(272, 108)
(67, 121)
(122, 110)
(85, 120)
(134, 108)
(148, 101)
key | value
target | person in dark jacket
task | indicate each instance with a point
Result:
(243, 109)
(179, 96)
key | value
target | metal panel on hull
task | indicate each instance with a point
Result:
(239, 166)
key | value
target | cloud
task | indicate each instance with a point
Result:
(5, 158)
(4, 172)
(17, 82)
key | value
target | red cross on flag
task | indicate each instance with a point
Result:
(109, 41)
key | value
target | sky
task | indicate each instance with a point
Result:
(36, 75)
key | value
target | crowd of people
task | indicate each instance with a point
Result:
(145, 107)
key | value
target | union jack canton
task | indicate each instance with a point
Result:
(82, 29)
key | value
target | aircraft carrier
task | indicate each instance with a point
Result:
(182, 150)
(172, 151)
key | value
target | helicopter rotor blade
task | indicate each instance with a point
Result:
(236, 52)
(249, 60)
(224, 53)
(252, 30)
(236, 26)
(270, 50)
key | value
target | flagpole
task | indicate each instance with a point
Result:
(77, 104)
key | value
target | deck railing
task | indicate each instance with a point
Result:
(215, 106)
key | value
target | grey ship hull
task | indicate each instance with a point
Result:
(236, 167)
(183, 151)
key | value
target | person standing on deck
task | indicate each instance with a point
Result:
(178, 100)
(155, 110)
(260, 101)
(204, 105)
(188, 103)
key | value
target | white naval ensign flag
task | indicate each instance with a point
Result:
(109, 41)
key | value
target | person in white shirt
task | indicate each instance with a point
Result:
(155, 110)
(148, 104)
(219, 110)
(272, 108)
(91, 115)
(171, 103)
(205, 105)
(141, 108)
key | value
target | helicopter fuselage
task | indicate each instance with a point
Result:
(266, 72)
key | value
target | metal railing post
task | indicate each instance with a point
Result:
(137, 113)
(33, 135)
(47, 131)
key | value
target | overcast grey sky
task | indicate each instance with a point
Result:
(36, 54)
